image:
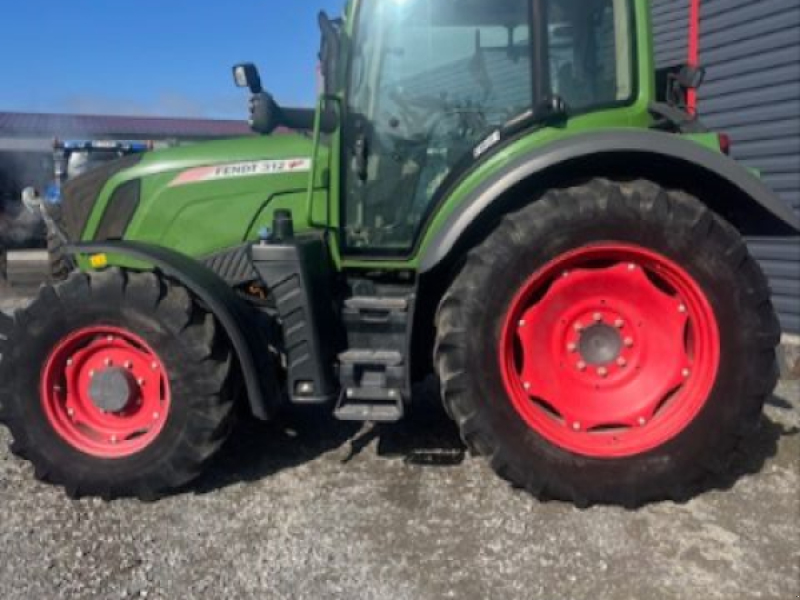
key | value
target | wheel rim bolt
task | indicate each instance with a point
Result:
(581, 366)
(597, 317)
(622, 362)
(526, 385)
(156, 416)
(619, 323)
(631, 267)
(642, 422)
(602, 371)
(113, 439)
(110, 338)
(129, 365)
(70, 362)
(91, 373)
(682, 309)
(686, 372)
(70, 411)
(140, 381)
(629, 342)
(576, 426)
(154, 366)
(107, 362)
(579, 327)
(572, 347)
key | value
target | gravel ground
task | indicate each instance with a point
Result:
(319, 509)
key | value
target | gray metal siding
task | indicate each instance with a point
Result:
(671, 31)
(751, 49)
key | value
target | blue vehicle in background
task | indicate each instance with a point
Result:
(74, 158)
(70, 160)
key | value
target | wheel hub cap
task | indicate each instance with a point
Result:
(610, 351)
(600, 345)
(112, 390)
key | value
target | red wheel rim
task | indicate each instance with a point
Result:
(609, 351)
(105, 392)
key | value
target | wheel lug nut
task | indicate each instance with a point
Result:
(581, 366)
(578, 327)
(602, 371)
(576, 426)
(629, 342)
(70, 411)
(521, 323)
(526, 385)
(91, 373)
(113, 439)
(642, 422)
(154, 366)
(156, 416)
(110, 338)
(622, 362)
(598, 317)
(686, 372)
(682, 309)
(572, 347)
(70, 362)
(565, 274)
(129, 365)
(140, 381)
(619, 323)
(107, 362)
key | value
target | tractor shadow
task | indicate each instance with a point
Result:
(426, 437)
(259, 450)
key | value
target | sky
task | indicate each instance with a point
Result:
(155, 57)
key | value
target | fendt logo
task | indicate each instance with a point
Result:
(245, 169)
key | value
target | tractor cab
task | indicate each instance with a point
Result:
(417, 92)
(433, 86)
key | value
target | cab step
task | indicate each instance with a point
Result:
(372, 386)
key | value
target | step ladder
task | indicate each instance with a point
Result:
(373, 372)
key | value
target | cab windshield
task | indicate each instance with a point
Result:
(433, 82)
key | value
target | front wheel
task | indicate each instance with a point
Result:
(626, 347)
(115, 384)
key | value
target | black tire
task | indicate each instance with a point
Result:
(184, 336)
(59, 264)
(677, 226)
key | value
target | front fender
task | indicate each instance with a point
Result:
(235, 316)
(650, 145)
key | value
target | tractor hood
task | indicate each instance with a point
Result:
(196, 199)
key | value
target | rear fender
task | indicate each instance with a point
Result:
(667, 158)
(234, 315)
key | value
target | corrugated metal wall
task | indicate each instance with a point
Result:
(751, 49)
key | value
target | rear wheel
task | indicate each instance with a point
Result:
(627, 346)
(115, 384)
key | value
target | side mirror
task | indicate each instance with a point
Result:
(246, 75)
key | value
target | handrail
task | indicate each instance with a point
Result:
(321, 103)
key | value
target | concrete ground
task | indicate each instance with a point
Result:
(313, 508)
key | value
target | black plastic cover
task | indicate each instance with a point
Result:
(79, 195)
(120, 211)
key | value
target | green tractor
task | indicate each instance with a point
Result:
(494, 192)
